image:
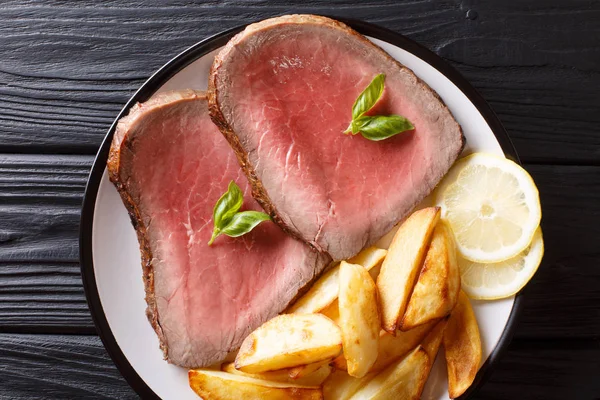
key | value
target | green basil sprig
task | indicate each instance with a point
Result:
(229, 220)
(377, 127)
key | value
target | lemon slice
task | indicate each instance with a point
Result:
(492, 205)
(503, 279)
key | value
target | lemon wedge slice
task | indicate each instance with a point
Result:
(492, 205)
(503, 279)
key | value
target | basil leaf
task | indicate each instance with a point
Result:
(225, 208)
(367, 99)
(382, 127)
(229, 203)
(244, 222)
(358, 123)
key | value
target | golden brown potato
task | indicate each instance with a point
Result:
(341, 386)
(314, 378)
(404, 379)
(436, 291)
(332, 312)
(402, 263)
(434, 338)
(359, 318)
(463, 347)
(370, 258)
(321, 294)
(392, 348)
(340, 363)
(325, 290)
(304, 370)
(218, 385)
(281, 375)
(289, 340)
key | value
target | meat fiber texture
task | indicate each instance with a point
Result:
(170, 165)
(282, 92)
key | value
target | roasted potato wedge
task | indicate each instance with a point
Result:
(325, 290)
(218, 385)
(402, 263)
(281, 375)
(404, 379)
(341, 386)
(434, 338)
(321, 294)
(370, 258)
(463, 347)
(436, 291)
(289, 340)
(314, 378)
(332, 312)
(392, 348)
(340, 363)
(359, 318)
(305, 370)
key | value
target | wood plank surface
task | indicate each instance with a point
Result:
(58, 367)
(68, 67)
(39, 278)
(43, 297)
(71, 366)
(40, 202)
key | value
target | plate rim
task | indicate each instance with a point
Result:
(182, 60)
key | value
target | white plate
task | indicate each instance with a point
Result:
(109, 249)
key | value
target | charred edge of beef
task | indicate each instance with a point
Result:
(258, 191)
(121, 140)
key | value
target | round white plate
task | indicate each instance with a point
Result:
(110, 255)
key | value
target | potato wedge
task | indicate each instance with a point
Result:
(392, 348)
(340, 363)
(325, 290)
(359, 318)
(404, 379)
(341, 386)
(281, 375)
(434, 338)
(304, 370)
(370, 258)
(321, 294)
(463, 347)
(218, 385)
(332, 312)
(402, 263)
(314, 378)
(436, 291)
(289, 340)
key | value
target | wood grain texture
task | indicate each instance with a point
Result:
(58, 367)
(39, 279)
(69, 67)
(43, 297)
(40, 201)
(69, 367)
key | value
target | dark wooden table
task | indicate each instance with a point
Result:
(67, 68)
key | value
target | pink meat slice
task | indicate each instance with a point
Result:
(171, 164)
(282, 92)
